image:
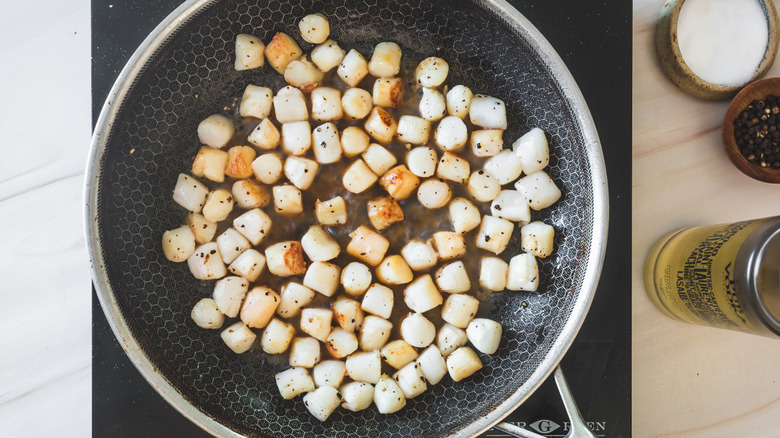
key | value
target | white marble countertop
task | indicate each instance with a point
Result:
(690, 381)
(45, 121)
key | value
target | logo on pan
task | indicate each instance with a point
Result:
(544, 426)
(551, 429)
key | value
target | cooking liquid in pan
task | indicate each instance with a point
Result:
(419, 222)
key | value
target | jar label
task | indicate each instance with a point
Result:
(693, 276)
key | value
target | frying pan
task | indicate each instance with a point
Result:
(145, 136)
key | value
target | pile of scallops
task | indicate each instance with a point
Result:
(344, 350)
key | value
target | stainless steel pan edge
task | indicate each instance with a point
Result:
(107, 299)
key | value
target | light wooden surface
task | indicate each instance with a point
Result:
(691, 381)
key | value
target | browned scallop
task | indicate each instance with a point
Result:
(210, 163)
(367, 245)
(239, 163)
(399, 182)
(383, 212)
(249, 194)
(281, 51)
(388, 92)
(381, 125)
(285, 259)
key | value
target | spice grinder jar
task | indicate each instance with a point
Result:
(725, 276)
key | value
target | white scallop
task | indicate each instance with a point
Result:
(432, 105)
(417, 330)
(451, 134)
(434, 193)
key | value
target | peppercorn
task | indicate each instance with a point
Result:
(756, 132)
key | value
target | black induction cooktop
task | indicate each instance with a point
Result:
(594, 40)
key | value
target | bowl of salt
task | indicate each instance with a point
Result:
(711, 49)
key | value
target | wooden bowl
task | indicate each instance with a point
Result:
(678, 71)
(758, 90)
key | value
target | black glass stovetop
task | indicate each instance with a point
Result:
(594, 40)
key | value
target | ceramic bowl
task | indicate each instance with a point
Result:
(678, 71)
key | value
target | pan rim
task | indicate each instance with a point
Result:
(568, 87)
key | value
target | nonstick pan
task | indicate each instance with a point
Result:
(146, 136)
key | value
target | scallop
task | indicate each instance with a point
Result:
(451, 134)
(356, 278)
(353, 68)
(327, 55)
(365, 366)
(238, 337)
(432, 365)
(421, 161)
(329, 373)
(418, 330)
(488, 112)
(464, 215)
(277, 336)
(453, 278)
(179, 244)
(386, 60)
(326, 106)
(459, 101)
(493, 273)
(434, 193)
(314, 28)
(303, 74)
(216, 131)
(249, 52)
(206, 262)
(539, 189)
(206, 314)
(357, 396)
(203, 229)
(484, 334)
(268, 168)
(341, 343)
(483, 187)
(462, 363)
(413, 129)
(431, 72)
(388, 396)
(327, 146)
(190, 193)
(432, 105)
(322, 402)
(533, 151)
(411, 380)
(356, 104)
(294, 381)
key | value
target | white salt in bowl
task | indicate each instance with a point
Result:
(675, 67)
